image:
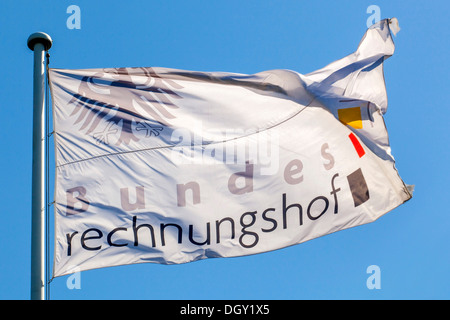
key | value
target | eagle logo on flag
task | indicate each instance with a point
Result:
(140, 101)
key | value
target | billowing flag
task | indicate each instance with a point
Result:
(170, 166)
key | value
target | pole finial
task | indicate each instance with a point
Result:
(39, 37)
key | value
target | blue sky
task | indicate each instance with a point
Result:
(410, 245)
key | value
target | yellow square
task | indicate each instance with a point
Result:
(351, 117)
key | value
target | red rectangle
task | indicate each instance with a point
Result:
(358, 147)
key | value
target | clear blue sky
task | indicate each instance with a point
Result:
(410, 244)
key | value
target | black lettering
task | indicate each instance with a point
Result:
(136, 229)
(69, 242)
(163, 227)
(218, 223)
(285, 209)
(112, 244)
(84, 238)
(248, 233)
(323, 211)
(191, 235)
(334, 193)
(274, 222)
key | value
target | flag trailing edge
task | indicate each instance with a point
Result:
(171, 166)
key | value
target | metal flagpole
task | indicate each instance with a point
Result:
(38, 42)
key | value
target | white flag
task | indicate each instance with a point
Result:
(170, 166)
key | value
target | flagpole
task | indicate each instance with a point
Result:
(39, 43)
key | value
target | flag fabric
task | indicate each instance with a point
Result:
(170, 166)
